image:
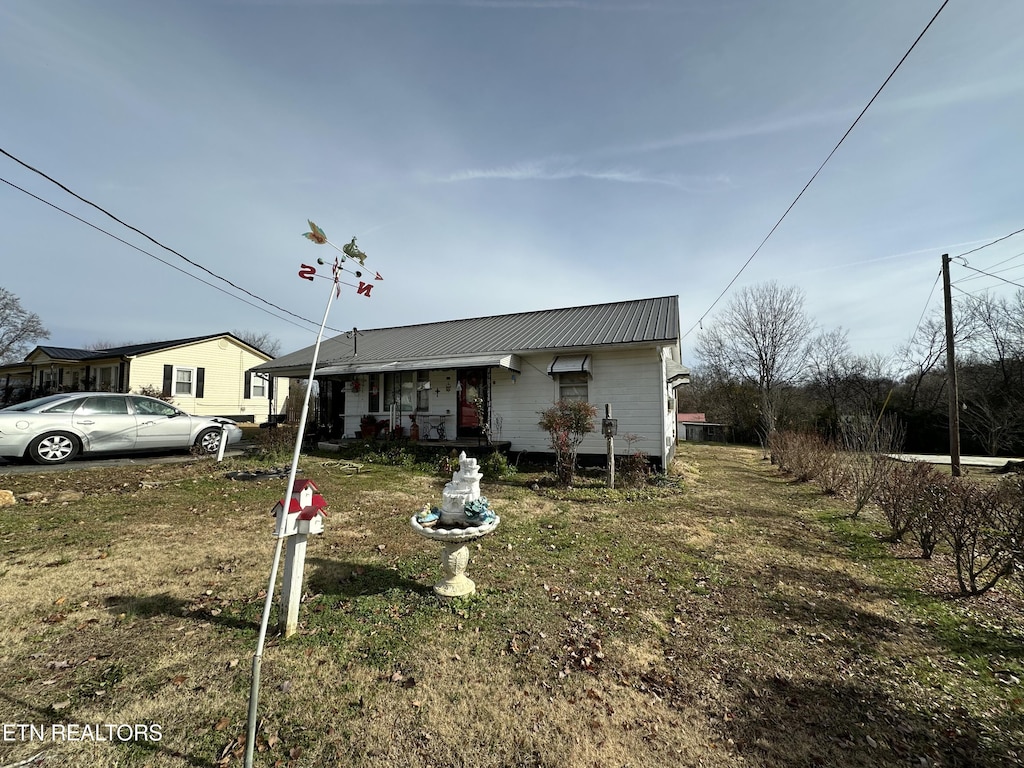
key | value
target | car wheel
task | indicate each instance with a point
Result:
(53, 448)
(208, 441)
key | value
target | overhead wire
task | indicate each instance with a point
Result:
(815, 175)
(988, 274)
(991, 269)
(156, 242)
(147, 253)
(988, 245)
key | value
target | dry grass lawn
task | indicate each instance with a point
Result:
(725, 617)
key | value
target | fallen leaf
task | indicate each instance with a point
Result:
(178, 679)
(221, 724)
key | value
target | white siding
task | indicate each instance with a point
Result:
(631, 381)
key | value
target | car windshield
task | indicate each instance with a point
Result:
(30, 405)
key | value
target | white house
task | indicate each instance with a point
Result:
(457, 377)
(204, 375)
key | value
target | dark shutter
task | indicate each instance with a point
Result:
(168, 376)
(248, 385)
(200, 381)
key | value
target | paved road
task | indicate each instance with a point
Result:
(993, 462)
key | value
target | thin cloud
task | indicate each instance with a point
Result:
(538, 171)
(542, 5)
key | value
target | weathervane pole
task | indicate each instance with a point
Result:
(257, 659)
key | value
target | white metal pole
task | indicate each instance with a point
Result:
(223, 442)
(257, 659)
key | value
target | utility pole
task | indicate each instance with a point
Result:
(954, 406)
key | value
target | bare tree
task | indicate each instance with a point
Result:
(19, 328)
(992, 372)
(262, 341)
(830, 368)
(760, 338)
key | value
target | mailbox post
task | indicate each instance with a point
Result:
(305, 516)
(609, 428)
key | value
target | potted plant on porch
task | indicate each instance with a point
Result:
(368, 425)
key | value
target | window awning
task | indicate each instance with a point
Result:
(569, 364)
(676, 374)
(511, 362)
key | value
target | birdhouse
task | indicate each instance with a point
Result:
(306, 511)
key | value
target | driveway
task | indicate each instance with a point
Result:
(113, 460)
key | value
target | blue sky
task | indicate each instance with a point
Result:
(504, 156)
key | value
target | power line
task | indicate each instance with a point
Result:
(195, 264)
(986, 245)
(982, 272)
(813, 177)
(996, 271)
(147, 253)
(927, 302)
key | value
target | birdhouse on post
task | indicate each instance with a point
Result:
(305, 515)
(305, 511)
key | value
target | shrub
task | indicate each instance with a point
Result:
(974, 527)
(275, 444)
(633, 470)
(567, 422)
(833, 473)
(868, 442)
(905, 496)
(496, 467)
(1011, 516)
(446, 465)
(148, 390)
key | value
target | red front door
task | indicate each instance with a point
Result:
(471, 387)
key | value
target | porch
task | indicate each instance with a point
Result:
(473, 446)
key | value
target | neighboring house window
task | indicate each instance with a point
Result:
(105, 378)
(255, 385)
(574, 387)
(184, 381)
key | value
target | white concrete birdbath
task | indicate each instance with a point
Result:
(463, 517)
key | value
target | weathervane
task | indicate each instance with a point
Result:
(349, 250)
(296, 555)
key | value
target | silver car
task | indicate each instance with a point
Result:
(56, 428)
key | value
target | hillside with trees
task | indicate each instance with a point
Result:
(764, 364)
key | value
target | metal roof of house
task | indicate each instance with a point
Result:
(626, 322)
(66, 353)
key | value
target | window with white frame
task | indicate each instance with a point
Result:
(423, 391)
(258, 387)
(106, 378)
(399, 390)
(184, 381)
(574, 387)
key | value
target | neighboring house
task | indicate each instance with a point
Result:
(462, 377)
(695, 427)
(206, 375)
